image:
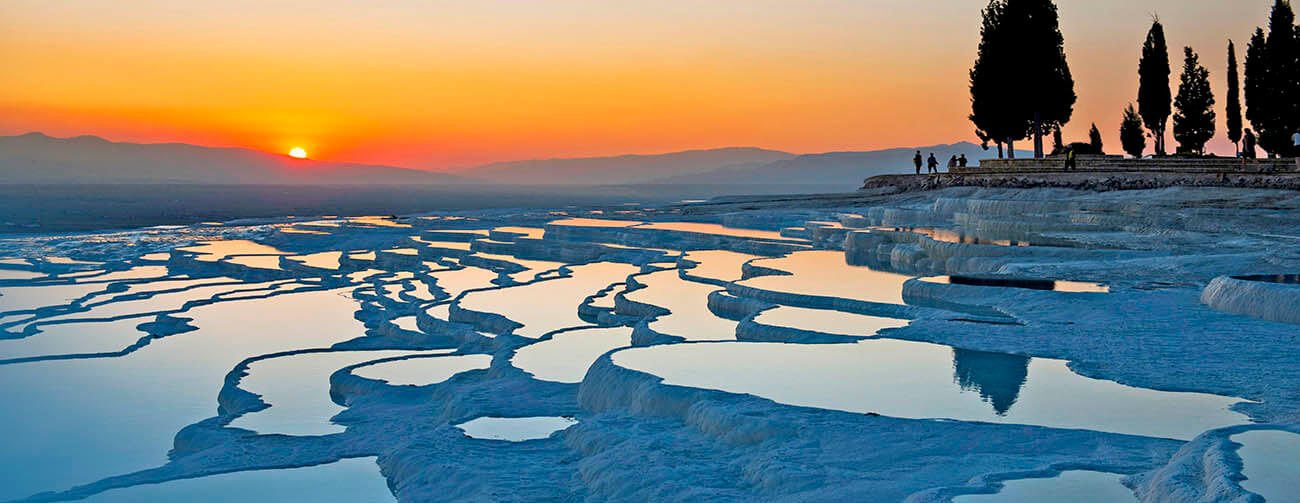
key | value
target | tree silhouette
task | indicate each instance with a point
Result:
(1020, 78)
(1094, 138)
(1194, 119)
(1130, 133)
(989, 92)
(1272, 80)
(1234, 99)
(1153, 84)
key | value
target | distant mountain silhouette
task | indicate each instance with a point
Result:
(38, 158)
(624, 169)
(846, 169)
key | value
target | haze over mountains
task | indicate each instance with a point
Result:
(38, 158)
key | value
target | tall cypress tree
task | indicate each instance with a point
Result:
(989, 90)
(1194, 118)
(1153, 85)
(1259, 109)
(1282, 80)
(1130, 133)
(1234, 99)
(1021, 72)
(1094, 138)
(1043, 86)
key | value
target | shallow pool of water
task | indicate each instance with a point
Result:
(515, 429)
(719, 265)
(720, 230)
(689, 305)
(212, 251)
(1030, 284)
(356, 480)
(824, 273)
(567, 356)
(550, 304)
(1073, 486)
(298, 389)
(921, 380)
(142, 400)
(423, 371)
(1271, 464)
(826, 321)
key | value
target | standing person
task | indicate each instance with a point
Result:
(961, 161)
(917, 161)
(1069, 158)
(932, 164)
(1247, 148)
(952, 163)
(1295, 148)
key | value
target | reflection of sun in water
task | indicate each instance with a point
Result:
(298, 153)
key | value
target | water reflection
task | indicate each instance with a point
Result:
(1268, 459)
(997, 377)
(1074, 486)
(1286, 279)
(824, 273)
(1031, 284)
(515, 429)
(345, 481)
(915, 380)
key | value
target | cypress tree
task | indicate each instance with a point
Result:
(1259, 109)
(1042, 88)
(1153, 85)
(989, 76)
(1094, 138)
(1234, 99)
(1194, 120)
(1283, 80)
(1020, 73)
(1130, 133)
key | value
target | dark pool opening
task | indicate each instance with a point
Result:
(1286, 279)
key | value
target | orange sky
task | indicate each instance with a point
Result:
(437, 85)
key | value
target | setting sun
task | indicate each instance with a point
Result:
(298, 153)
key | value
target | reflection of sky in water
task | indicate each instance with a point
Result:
(212, 251)
(257, 262)
(916, 380)
(595, 222)
(515, 429)
(19, 298)
(457, 281)
(1055, 285)
(354, 480)
(298, 389)
(550, 304)
(1271, 461)
(9, 274)
(532, 267)
(824, 273)
(527, 232)
(1073, 486)
(689, 303)
(323, 260)
(567, 356)
(717, 229)
(74, 338)
(423, 371)
(718, 264)
(140, 401)
(826, 321)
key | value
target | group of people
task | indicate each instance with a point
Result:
(1248, 142)
(932, 164)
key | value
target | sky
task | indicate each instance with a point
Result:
(444, 85)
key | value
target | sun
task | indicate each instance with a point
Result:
(298, 152)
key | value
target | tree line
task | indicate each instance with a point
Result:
(1021, 86)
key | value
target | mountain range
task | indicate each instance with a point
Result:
(38, 158)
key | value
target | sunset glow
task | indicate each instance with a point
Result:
(460, 84)
(298, 153)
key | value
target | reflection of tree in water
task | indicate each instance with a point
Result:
(997, 377)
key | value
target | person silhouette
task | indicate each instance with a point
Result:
(1247, 147)
(932, 164)
(961, 161)
(952, 162)
(1295, 148)
(917, 161)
